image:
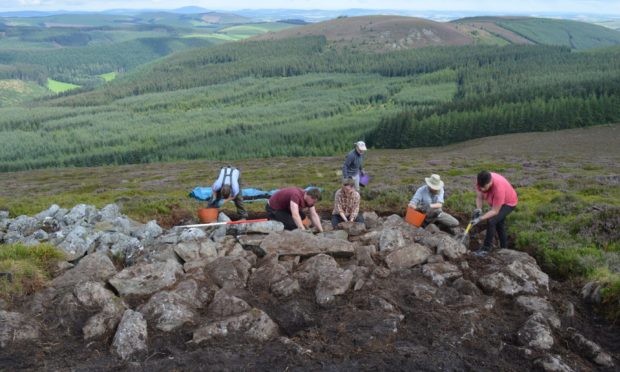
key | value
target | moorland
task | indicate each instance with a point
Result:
(138, 109)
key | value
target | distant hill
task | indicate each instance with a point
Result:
(387, 33)
(223, 18)
(382, 33)
(528, 30)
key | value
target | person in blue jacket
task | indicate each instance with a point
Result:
(227, 188)
(353, 163)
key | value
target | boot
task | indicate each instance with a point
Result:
(483, 251)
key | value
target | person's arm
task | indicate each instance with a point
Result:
(356, 207)
(316, 221)
(348, 160)
(338, 204)
(217, 185)
(491, 213)
(235, 183)
(478, 199)
(294, 207)
(439, 202)
(416, 199)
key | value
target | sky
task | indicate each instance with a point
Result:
(604, 7)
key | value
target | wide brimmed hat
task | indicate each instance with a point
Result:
(434, 182)
(361, 145)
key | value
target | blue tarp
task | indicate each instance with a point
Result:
(249, 194)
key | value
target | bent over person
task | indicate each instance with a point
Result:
(346, 204)
(502, 197)
(287, 206)
(429, 199)
(226, 188)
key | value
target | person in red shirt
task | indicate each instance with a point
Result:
(287, 205)
(502, 197)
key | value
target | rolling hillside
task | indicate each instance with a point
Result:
(382, 33)
(526, 30)
(389, 33)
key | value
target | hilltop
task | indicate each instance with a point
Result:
(380, 33)
(388, 33)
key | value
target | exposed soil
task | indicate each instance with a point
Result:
(351, 335)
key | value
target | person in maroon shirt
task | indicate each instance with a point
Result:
(287, 205)
(502, 197)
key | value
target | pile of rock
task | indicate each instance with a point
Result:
(206, 279)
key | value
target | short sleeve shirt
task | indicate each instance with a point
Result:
(282, 199)
(500, 193)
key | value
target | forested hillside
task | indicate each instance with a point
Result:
(77, 49)
(298, 96)
(302, 96)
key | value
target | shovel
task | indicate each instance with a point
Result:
(465, 237)
(223, 223)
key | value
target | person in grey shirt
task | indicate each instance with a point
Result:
(353, 162)
(429, 199)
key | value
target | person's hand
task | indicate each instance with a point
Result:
(477, 213)
(421, 208)
(475, 221)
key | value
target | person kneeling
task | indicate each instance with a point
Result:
(429, 199)
(346, 204)
(287, 206)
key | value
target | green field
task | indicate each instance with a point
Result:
(109, 76)
(59, 86)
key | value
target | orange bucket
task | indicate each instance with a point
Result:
(414, 217)
(208, 215)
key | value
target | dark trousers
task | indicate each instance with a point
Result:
(496, 225)
(336, 219)
(238, 200)
(284, 216)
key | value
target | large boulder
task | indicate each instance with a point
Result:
(145, 279)
(536, 333)
(517, 273)
(299, 243)
(24, 226)
(534, 304)
(168, 311)
(229, 272)
(451, 248)
(253, 324)
(104, 322)
(225, 305)
(148, 233)
(407, 257)
(334, 282)
(441, 272)
(131, 337)
(391, 239)
(314, 268)
(81, 213)
(592, 350)
(16, 328)
(96, 267)
(79, 241)
(265, 227)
